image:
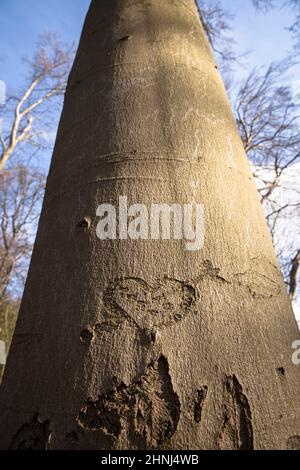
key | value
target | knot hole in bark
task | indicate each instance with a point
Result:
(84, 224)
(125, 38)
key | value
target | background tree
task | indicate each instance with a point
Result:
(26, 115)
(8, 316)
(267, 114)
(28, 119)
(21, 191)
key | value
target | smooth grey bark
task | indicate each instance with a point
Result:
(142, 344)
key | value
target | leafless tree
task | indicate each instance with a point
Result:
(21, 190)
(9, 308)
(25, 112)
(267, 114)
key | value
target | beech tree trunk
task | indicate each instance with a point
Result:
(142, 344)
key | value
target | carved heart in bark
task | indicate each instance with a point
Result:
(164, 301)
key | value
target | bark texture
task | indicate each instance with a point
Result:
(142, 344)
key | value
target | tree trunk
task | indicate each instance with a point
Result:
(143, 344)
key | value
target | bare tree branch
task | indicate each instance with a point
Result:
(48, 72)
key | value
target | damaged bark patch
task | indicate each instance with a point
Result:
(72, 437)
(236, 433)
(125, 38)
(147, 411)
(262, 279)
(198, 403)
(293, 443)
(32, 436)
(144, 305)
(86, 336)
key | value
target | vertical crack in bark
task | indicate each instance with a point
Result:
(198, 403)
(32, 436)
(147, 411)
(237, 430)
